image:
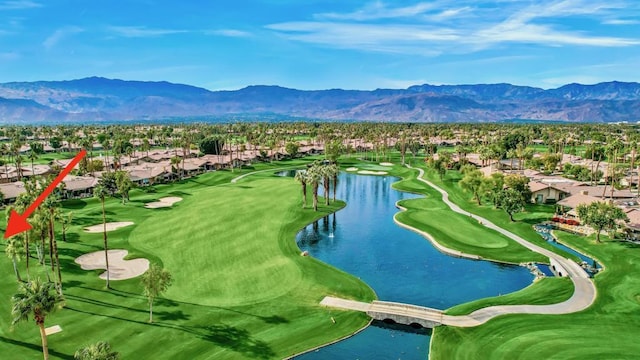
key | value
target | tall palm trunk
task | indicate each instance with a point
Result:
(327, 196)
(26, 251)
(335, 185)
(54, 248)
(51, 244)
(315, 195)
(304, 194)
(104, 233)
(14, 260)
(43, 337)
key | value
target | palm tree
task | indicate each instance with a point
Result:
(156, 280)
(301, 176)
(65, 220)
(101, 192)
(335, 173)
(98, 351)
(124, 184)
(327, 174)
(37, 299)
(314, 176)
(33, 156)
(13, 250)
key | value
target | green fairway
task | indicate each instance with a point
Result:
(456, 231)
(240, 289)
(607, 330)
(523, 226)
(544, 291)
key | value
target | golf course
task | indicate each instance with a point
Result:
(241, 288)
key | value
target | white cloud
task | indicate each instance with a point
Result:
(437, 27)
(142, 31)
(379, 10)
(621, 22)
(60, 34)
(450, 13)
(19, 5)
(229, 33)
(381, 38)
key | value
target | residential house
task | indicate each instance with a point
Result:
(542, 193)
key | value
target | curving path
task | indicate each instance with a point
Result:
(584, 293)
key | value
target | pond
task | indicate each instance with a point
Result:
(398, 264)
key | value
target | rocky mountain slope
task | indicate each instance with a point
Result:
(100, 99)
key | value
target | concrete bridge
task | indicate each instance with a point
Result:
(399, 313)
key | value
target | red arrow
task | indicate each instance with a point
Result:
(18, 223)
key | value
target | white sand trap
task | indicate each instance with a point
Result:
(119, 268)
(164, 202)
(52, 330)
(369, 172)
(352, 169)
(386, 164)
(110, 226)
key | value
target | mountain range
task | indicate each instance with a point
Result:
(99, 99)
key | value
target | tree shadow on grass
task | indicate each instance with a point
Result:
(273, 319)
(102, 303)
(35, 347)
(236, 339)
(179, 193)
(71, 238)
(629, 244)
(74, 204)
(226, 336)
(66, 284)
(171, 315)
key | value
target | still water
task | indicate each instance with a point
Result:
(399, 265)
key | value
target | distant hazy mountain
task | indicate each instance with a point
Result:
(100, 99)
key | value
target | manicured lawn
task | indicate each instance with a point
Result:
(457, 231)
(607, 330)
(550, 290)
(48, 157)
(523, 226)
(241, 288)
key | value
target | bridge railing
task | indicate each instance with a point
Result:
(407, 307)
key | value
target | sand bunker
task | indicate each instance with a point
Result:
(164, 202)
(352, 169)
(386, 164)
(369, 172)
(119, 269)
(110, 226)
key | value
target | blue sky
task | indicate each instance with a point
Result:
(325, 44)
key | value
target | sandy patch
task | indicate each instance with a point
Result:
(119, 268)
(164, 202)
(52, 330)
(110, 226)
(352, 169)
(369, 172)
(386, 164)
